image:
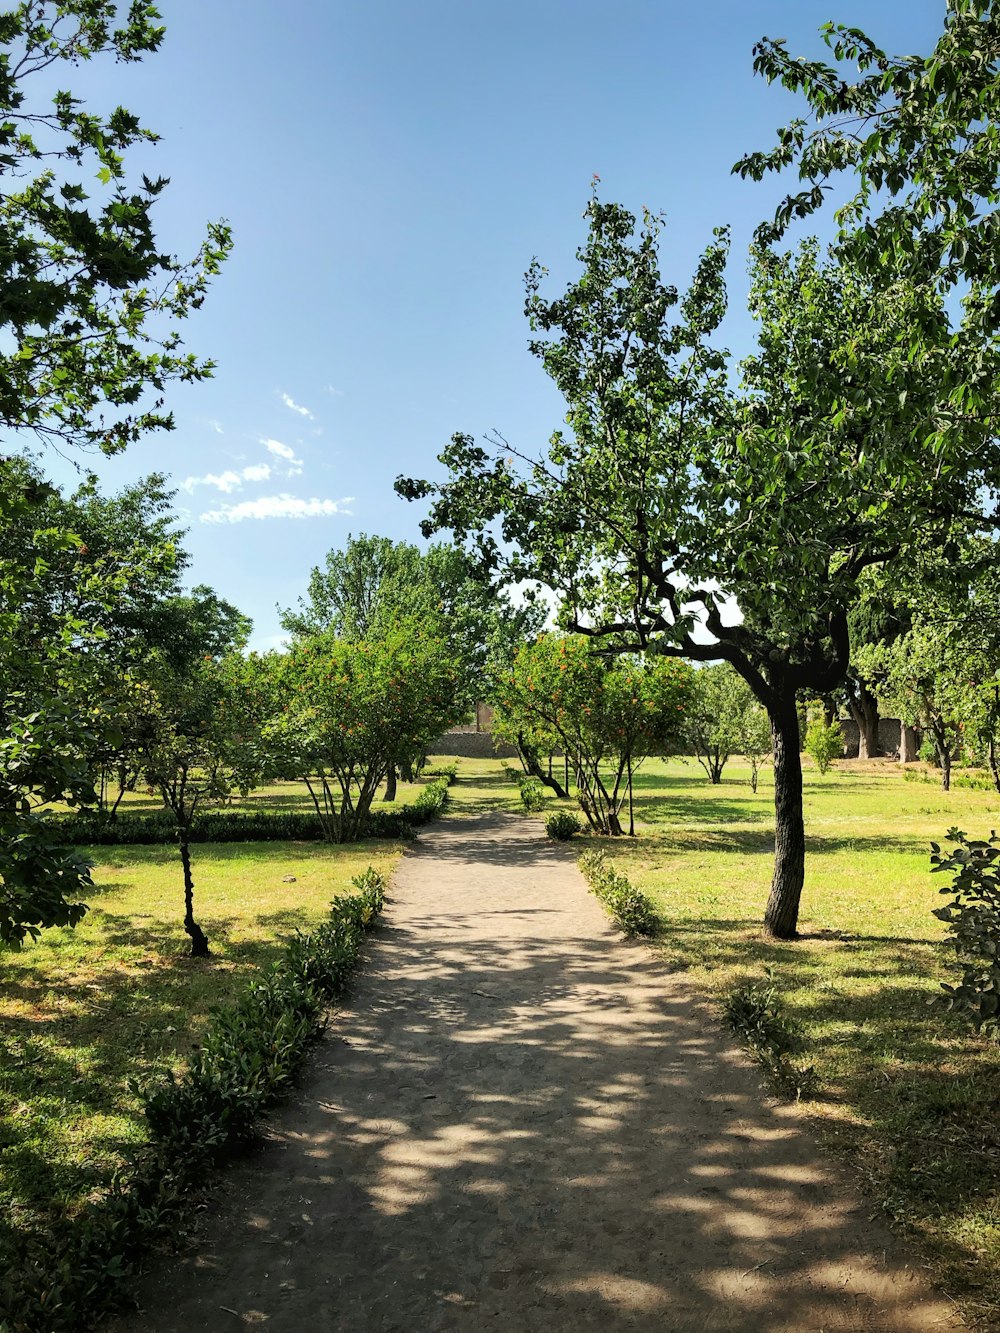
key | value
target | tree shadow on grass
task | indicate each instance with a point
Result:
(68, 1053)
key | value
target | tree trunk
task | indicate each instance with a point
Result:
(907, 744)
(991, 757)
(781, 917)
(863, 708)
(944, 755)
(531, 765)
(390, 784)
(199, 942)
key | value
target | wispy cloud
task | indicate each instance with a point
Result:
(216, 426)
(228, 481)
(280, 450)
(293, 464)
(296, 407)
(278, 506)
(222, 481)
(337, 393)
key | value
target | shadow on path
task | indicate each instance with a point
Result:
(524, 1124)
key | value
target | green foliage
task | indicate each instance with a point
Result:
(757, 1017)
(91, 298)
(917, 138)
(724, 718)
(630, 909)
(337, 713)
(823, 743)
(973, 920)
(232, 826)
(68, 1277)
(673, 489)
(928, 752)
(606, 716)
(373, 582)
(561, 825)
(532, 793)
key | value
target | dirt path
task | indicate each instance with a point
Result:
(524, 1124)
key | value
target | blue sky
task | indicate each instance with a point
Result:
(390, 170)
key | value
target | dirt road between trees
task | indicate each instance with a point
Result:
(523, 1123)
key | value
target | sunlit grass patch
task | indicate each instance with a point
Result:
(85, 1012)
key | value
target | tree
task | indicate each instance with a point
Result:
(195, 749)
(606, 716)
(920, 137)
(723, 718)
(89, 304)
(49, 686)
(751, 733)
(942, 673)
(339, 712)
(924, 675)
(373, 582)
(88, 299)
(669, 493)
(879, 616)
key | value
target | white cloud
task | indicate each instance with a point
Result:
(278, 506)
(282, 451)
(223, 481)
(229, 481)
(293, 465)
(296, 407)
(216, 426)
(337, 393)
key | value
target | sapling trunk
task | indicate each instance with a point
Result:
(782, 914)
(199, 941)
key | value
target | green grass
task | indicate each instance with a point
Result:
(911, 1097)
(83, 1012)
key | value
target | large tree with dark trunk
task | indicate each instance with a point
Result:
(671, 496)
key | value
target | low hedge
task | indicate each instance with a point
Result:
(253, 826)
(630, 909)
(70, 1276)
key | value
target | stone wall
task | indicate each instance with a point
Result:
(466, 743)
(888, 736)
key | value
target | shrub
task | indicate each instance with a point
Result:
(824, 744)
(254, 826)
(755, 1014)
(973, 921)
(532, 794)
(629, 907)
(561, 825)
(66, 1279)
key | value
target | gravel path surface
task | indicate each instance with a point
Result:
(522, 1123)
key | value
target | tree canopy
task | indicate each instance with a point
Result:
(917, 138)
(89, 300)
(373, 582)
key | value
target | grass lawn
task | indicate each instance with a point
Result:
(83, 1012)
(910, 1096)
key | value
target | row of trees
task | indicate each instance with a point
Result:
(115, 677)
